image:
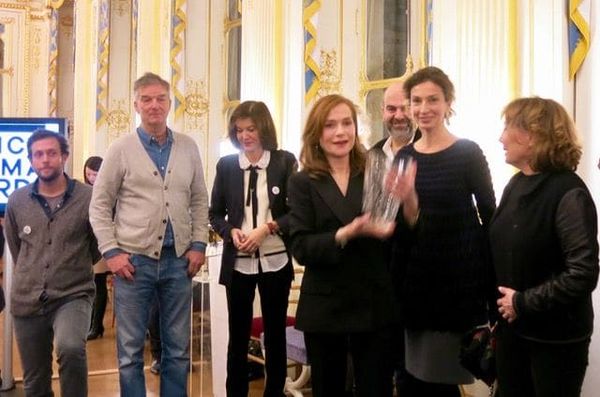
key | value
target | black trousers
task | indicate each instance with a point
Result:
(414, 387)
(399, 362)
(533, 369)
(274, 289)
(372, 361)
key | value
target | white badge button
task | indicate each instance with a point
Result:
(27, 229)
(275, 190)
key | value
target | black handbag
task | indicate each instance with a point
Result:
(478, 353)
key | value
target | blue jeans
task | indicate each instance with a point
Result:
(64, 324)
(166, 279)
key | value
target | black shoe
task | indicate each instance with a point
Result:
(95, 334)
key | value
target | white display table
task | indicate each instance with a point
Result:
(218, 321)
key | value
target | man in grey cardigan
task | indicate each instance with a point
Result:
(51, 241)
(149, 211)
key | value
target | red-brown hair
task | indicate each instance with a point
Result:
(311, 156)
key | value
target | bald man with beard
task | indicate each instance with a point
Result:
(396, 121)
(401, 132)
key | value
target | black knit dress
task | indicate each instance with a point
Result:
(446, 277)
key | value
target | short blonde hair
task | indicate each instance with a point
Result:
(556, 146)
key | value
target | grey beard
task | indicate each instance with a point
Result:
(404, 135)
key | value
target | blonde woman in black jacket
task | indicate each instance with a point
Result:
(346, 300)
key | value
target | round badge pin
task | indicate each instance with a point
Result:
(275, 190)
(27, 229)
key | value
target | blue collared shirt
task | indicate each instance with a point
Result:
(159, 154)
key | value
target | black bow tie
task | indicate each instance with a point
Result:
(251, 197)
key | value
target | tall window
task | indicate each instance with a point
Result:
(233, 40)
(385, 55)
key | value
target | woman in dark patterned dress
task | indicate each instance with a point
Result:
(443, 258)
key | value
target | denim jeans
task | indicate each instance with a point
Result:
(167, 279)
(64, 324)
(154, 331)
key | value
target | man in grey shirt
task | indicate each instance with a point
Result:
(51, 241)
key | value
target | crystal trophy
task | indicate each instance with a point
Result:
(377, 199)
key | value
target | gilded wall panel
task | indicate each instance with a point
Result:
(17, 51)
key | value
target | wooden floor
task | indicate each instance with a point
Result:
(103, 380)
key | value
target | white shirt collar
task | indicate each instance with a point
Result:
(262, 163)
(387, 149)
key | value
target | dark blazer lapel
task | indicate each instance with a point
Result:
(355, 193)
(273, 171)
(238, 193)
(331, 195)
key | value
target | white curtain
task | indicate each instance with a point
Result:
(470, 43)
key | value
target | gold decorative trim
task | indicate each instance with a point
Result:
(26, 10)
(103, 53)
(330, 77)
(424, 15)
(53, 63)
(229, 24)
(117, 118)
(121, 7)
(133, 43)
(177, 55)
(9, 71)
(311, 43)
(36, 52)
(196, 100)
(43, 16)
(7, 20)
(196, 105)
(228, 104)
(56, 4)
(15, 6)
(66, 20)
(26, 60)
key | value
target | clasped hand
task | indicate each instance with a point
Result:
(505, 304)
(249, 243)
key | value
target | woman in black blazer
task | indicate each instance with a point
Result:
(346, 299)
(249, 211)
